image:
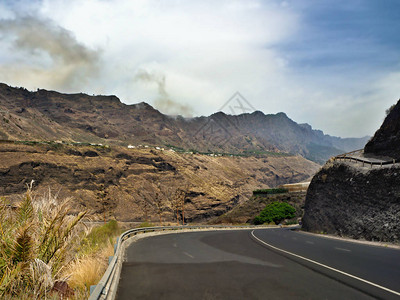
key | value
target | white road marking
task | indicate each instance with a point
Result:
(327, 267)
(309, 242)
(342, 249)
(191, 256)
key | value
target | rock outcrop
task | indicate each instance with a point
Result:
(352, 201)
(386, 141)
(358, 201)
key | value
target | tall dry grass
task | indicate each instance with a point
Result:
(92, 258)
(88, 269)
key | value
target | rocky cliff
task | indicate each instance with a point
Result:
(386, 141)
(353, 201)
(358, 201)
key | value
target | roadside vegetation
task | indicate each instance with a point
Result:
(46, 252)
(270, 191)
(92, 258)
(275, 212)
(244, 153)
(244, 213)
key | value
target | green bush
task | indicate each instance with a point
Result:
(99, 236)
(145, 224)
(275, 212)
(270, 191)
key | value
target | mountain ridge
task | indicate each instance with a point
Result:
(50, 115)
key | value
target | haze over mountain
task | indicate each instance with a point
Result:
(49, 115)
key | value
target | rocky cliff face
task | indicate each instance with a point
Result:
(386, 141)
(349, 199)
(49, 115)
(355, 202)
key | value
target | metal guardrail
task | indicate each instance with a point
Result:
(101, 290)
(347, 156)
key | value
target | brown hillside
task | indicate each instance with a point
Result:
(126, 183)
(49, 115)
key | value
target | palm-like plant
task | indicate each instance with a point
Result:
(35, 243)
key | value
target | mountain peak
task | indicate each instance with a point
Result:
(282, 115)
(143, 105)
(257, 113)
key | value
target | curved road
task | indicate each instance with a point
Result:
(257, 264)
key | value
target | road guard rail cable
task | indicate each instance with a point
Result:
(102, 289)
(347, 156)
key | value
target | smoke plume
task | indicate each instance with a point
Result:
(48, 55)
(163, 102)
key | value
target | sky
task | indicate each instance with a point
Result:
(334, 64)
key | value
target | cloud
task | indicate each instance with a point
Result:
(207, 50)
(45, 55)
(332, 66)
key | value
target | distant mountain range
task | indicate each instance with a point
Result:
(49, 115)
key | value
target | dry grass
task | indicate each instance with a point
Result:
(86, 271)
(89, 269)
(91, 259)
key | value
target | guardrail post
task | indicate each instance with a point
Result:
(92, 288)
(115, 245)
(371, 165)
(394, 161)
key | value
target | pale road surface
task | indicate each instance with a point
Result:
(241, 264)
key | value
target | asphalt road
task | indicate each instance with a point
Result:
(242, 264)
